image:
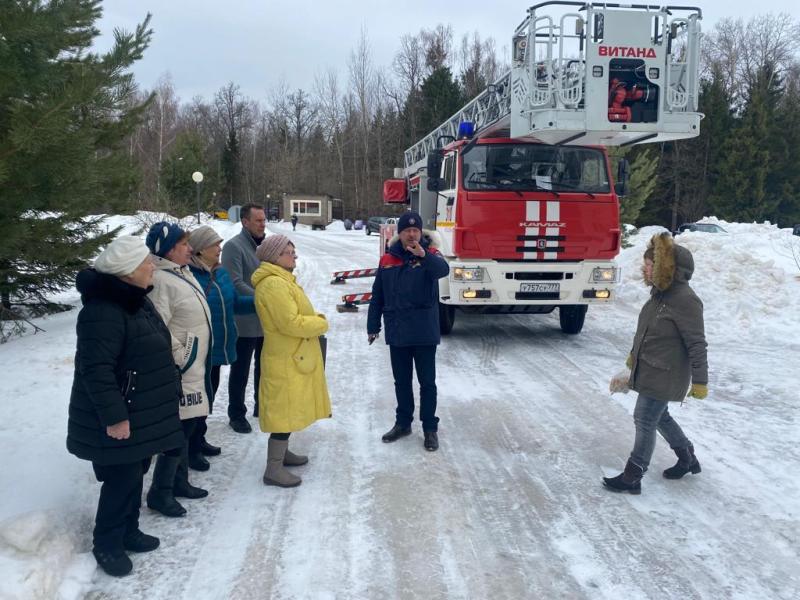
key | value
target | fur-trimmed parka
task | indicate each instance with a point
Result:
(669, 348)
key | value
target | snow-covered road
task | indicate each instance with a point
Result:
(511, 506)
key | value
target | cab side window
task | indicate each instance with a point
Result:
(450, 172)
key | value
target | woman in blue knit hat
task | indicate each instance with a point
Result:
(180, 301)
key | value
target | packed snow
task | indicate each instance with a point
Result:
(511, 506)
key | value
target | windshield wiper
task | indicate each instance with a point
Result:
(508, 186)
(569, 186)
(537, 187)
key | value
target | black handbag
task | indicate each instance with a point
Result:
(323, 345)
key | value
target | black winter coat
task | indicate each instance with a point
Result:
(124, 369)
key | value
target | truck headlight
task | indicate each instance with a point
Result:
(604, 275)
(468, 274)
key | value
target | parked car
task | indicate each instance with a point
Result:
(374, 224)
(796, 230)
(701, 227)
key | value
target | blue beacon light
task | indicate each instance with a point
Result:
(466, 130)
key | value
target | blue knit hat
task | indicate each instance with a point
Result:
(163, 237)
(409, 219)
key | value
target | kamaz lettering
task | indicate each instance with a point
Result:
(627, 52)
(539, 224)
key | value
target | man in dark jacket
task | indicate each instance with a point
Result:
(406, 293)
(669, 354)
(239, 259)
(124, 403)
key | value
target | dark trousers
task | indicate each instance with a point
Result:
(201, 428)
(246, 347)
(404, 360)
(120, 499)
(189, 432)
(190, 427)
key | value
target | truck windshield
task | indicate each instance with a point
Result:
(530, 167)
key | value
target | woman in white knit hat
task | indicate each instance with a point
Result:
(293, 392)
(124, 403)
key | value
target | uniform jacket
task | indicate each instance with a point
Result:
(180, 301)
(223, 301)
(239, 259)
(123, 371)
(293, 392)
(669, 348)
(406, 293)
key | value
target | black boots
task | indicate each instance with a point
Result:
(198, 462)
(431, 441)
(182, 488)
(207, 449)
(115, 563)
(687, 463)
(161, 496)
(630, 480)
(395, 433)
(138, 541)
(240, 425)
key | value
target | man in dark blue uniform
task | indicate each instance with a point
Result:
(406, 293)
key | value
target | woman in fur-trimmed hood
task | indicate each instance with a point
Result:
(668, 359)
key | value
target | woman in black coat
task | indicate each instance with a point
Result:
(124, 403)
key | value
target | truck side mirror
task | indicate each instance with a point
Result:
(623, 175)
(435, 182)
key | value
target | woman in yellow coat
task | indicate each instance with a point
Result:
(292, 390)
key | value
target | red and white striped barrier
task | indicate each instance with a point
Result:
(342, 276)
(351, 302)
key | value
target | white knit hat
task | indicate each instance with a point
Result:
(122, 256)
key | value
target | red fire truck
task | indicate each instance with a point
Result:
(518, 183)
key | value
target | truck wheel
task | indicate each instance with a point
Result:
(447, 317)
(367, 230)
(572, 317)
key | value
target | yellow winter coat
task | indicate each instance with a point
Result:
(293, 392)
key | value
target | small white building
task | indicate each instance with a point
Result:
(316, 211)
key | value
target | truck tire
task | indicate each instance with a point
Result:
(572, 317)
(367, 230)
(447, 317)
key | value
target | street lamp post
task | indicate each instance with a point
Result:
(197, 177)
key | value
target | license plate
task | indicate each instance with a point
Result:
(539, 288)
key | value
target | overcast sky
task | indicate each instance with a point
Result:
(204, 44)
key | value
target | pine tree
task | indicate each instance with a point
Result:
(783, 183)
(643, 179)
(64, 112)
(740, 193)
(230, 168)
(689, 169)
(441, 98)
(186, 157)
